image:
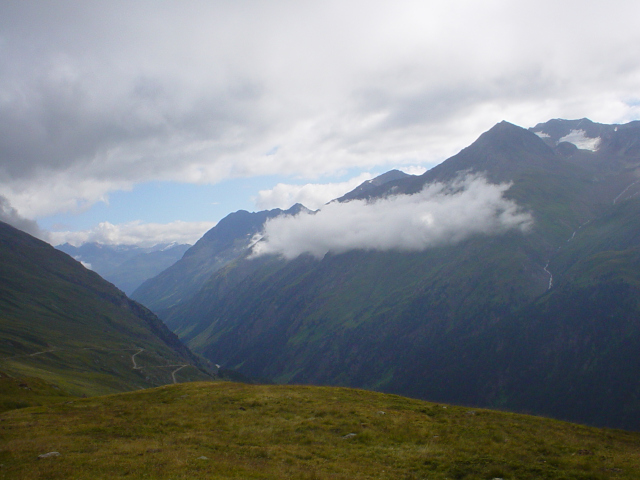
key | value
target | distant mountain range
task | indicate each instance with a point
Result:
(126, 266)
(533, 307)
(64, 324)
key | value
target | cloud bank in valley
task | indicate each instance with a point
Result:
(440, 214)
(135, 233)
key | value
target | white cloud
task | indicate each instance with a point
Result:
(86, 265)
(105, 95)
(135, 233)
(311, 195)
(412, 169)
(315, 195)
(439, 214)
(10, 215)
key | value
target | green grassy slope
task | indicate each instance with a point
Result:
(362, 309)
(63, 323)
(228, 431)
(21, 392)
(573, 352)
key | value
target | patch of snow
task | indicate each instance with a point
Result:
(169, 246)
(579, 139)
(542, 134)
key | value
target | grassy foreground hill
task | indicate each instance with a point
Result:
(221, 430)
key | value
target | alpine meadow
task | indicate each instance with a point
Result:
(319, 240)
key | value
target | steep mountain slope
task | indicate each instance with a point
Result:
(225, 242)
(65, 324)
(448, 323)
(571, 353)
(372, 184)
(126, 266)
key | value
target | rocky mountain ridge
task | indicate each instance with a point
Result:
(513, 320)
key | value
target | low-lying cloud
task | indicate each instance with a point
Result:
(440, 214)
(135, 233)
(315, 195)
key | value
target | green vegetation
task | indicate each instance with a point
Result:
(62, 323)
(226, 430)
(22, 392)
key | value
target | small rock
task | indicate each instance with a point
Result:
(381, 413)
(50, 454)
(203, 458)
(349, 435)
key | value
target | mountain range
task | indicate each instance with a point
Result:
(529, 303)
(126, 266)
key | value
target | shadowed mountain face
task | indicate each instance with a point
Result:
(543, 319)
(65, 324)
(221, 245)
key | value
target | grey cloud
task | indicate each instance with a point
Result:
(440, 214)
(9, 215)
(124, 92)
(56, 124)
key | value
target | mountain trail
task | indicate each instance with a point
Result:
(550, 276)
(30, 354)
(133, 359)
(173, 374)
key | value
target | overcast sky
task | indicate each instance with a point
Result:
(146, 116)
